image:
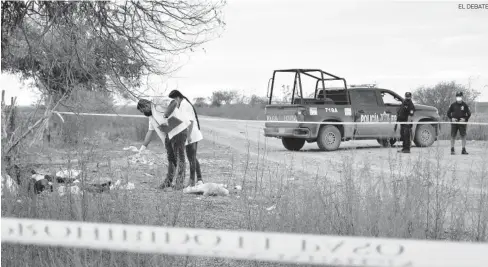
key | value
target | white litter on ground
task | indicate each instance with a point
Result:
(119, 186)
(9, 184)
(95, 186)
(271, 207)
(72, 174)
(207, 189)
(131, 148)
(146, 157)
(38, 176)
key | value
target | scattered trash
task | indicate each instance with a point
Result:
(59, 179)
(207, 189)
(238, 187)
(131, 148)
(10, 184)
(119, 186)
(71, 174)
(38, 177)
(99, 185)
(41, 182)
(271, 208)
(145, 157)
(149, 175)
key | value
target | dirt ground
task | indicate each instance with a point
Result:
(248, 136)
(233, 153)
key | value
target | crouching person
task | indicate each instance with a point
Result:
(173, 132)
(176, 130)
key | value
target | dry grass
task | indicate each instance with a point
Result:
(410, 200)
(474, 132)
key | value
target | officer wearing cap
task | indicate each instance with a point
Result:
(405, 114)
(458, 112)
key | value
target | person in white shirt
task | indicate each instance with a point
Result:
(194, 133)
(175, 136)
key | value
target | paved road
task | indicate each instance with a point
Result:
(246, 136)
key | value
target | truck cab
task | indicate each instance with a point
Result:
(308, 110)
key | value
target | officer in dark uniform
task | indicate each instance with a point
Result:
(405, 114)
(458, 112)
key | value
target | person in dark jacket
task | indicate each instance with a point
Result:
(459, 114)
(405, 114)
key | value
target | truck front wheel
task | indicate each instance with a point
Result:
(329, 138)
(293, 144)
(425, 135)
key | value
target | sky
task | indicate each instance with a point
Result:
(399, 45)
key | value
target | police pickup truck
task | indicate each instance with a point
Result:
(306, 99)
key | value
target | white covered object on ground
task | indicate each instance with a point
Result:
(119, 186)
(9, 184)
(207, 189)
(38, 176)
(68, 173)
(131, 148)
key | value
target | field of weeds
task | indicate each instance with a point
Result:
(401, 201)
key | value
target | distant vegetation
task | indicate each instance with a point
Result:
(443, 94)
(231, 104)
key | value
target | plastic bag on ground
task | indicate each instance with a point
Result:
(131, 148)
(119, 186)
(207, 189)
(73, 174)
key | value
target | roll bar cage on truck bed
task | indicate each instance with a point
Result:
(298, 119)
(312, 73)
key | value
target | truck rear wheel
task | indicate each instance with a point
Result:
(329, 138)
(293, 144)
(386, 142)
(425, 135)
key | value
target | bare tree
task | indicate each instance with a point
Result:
(443, 94)
(100, 46)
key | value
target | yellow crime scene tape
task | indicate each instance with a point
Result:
(260, 246)
(272, 121)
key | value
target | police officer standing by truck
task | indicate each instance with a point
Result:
(458, 112)
(405, 114)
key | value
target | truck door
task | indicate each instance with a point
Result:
(390, 103)
(366, 109)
